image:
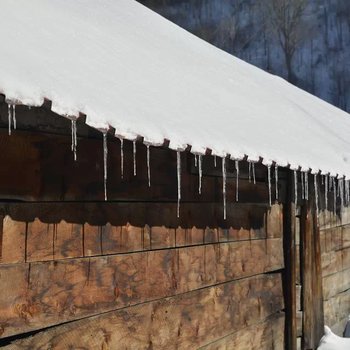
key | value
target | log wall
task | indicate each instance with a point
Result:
(78, 272)
(335, 247)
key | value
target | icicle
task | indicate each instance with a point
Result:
(250, 171)
(302, 185)
(334, 196)
(237, 178)
(195, 160)
(224, 184)
(74, 138)
(105, 153)
(269, 182)
(326, 192)
(276, 181)
(253, 168)
(148, 166)
(200, 173)
(215, 161)
(9, 117)
(341, 192)
(347, 191)
(121, 157)
(14, 117)
(134, 155)
(178, 165)
(295, 188)
(316, 193)
(322, 178)
(306, 174)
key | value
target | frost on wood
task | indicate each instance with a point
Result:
(105, 154)
(224, 185)
(178, 168)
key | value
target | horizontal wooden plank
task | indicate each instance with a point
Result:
(45, 236)
(335, 261)
(337, 308)
(53, 175)
(336, 283)
(36, 295)
(185, 321)
(266, 335)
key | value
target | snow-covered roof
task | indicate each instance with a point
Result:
(125, 66)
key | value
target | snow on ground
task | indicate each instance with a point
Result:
(125, 66)
(330, 341)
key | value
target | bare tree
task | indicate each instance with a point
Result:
(286, 20)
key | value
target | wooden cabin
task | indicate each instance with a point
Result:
(136, 245)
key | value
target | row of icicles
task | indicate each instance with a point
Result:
(329, 182)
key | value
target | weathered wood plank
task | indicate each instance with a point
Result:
(36, 295)
(266, 335)
(337, 308)
(185, 321)
(48, 237)
(13, 241)
(53, 175)
(336, 283)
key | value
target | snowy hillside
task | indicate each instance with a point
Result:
(320, 63)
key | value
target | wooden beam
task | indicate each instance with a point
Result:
(290, 266)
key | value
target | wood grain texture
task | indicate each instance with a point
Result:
(46, 239)
(266, 335)
(186, 321)
(35, 295)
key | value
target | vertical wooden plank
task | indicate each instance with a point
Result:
(290, 265)
(317, 283)
(313, 316)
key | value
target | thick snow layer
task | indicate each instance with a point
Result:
(125, 66)
(330, 341)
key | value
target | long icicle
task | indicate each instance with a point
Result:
(316, 193)
(276, 181)
(215, 161)
(237, 178)
(9, 117)
(200, 173)
(347, 191)
(253, 168)
(148, 166)
(302, 185)
(306, 185)
(195, 160)
(14, 116)
(269, 182)
(295, 189)
(334, 196)
(121, 157)
(250, 171)
(74, 138)
(178, 168)
(105, 153)
(326, 192)
(224, 184)
(134, 155)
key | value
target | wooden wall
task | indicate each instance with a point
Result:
(78, 272)
(335, 247)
